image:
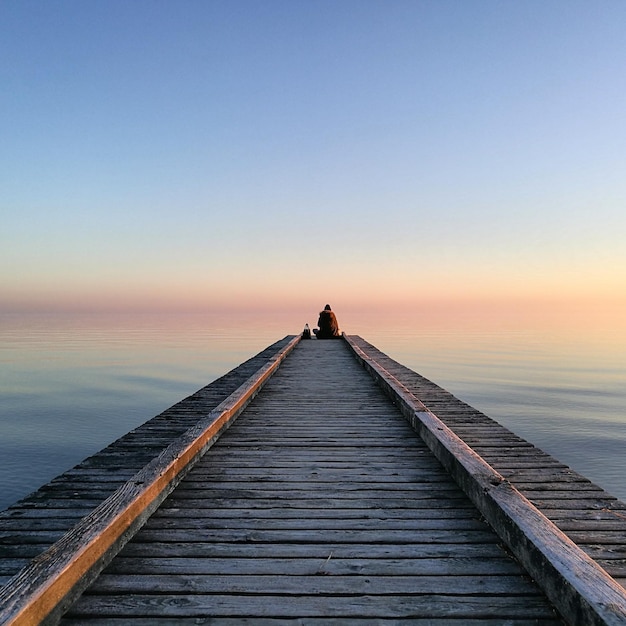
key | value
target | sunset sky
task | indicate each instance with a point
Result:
(215, 154)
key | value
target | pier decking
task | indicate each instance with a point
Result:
(319, 504)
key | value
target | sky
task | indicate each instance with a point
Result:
(239, 154)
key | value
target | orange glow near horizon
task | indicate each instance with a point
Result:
(270, 288)
(300, 303)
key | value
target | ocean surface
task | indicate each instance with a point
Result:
(71, 384)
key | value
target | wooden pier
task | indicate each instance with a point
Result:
(320, 482)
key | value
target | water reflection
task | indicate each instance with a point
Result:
(563, 390)
(70, 385)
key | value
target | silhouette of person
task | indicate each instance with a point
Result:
(328, 325)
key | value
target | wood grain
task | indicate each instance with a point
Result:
(319, 503)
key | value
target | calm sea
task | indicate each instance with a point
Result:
(69, 385)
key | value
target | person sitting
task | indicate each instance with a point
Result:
(328, 325)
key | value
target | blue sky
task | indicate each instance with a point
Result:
(205, 154)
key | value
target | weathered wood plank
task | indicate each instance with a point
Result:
(316, 621)
(322, 581)
(438, 490)
(316, 524)
(448, 569)
(283, 606)
(198, 554)
(448, 537)
(460, 510)
(324, 503)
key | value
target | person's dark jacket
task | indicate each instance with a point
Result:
(328, 326)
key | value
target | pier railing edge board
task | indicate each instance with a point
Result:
(43, 590)
(578, 587)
